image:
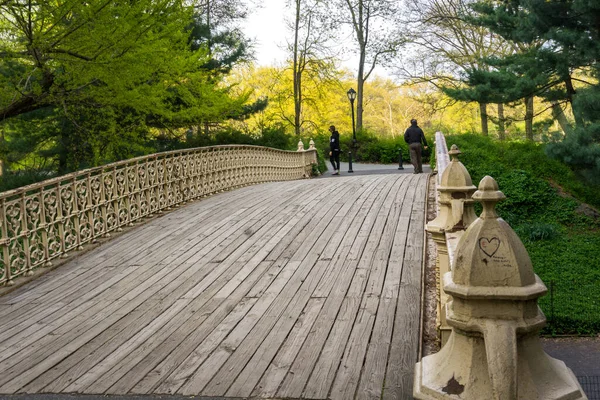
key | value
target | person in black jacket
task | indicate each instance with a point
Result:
(334, 150)
(414, 136)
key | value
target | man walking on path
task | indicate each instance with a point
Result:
(334, 150)
(414, 136)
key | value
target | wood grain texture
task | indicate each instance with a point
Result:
(302, 289)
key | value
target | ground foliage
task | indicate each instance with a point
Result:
(545, 205)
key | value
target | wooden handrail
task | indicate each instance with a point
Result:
(46, 220)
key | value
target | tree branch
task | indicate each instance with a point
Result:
(71, 53)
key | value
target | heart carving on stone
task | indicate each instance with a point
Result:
(489, 246)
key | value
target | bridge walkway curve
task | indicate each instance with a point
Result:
(301, 289)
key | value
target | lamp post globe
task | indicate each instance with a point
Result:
(351, 93)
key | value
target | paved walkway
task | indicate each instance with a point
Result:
(370, 169)
(582, 355)
(304, 289)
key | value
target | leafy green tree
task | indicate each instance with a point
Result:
(55, 53)
(449, 47)
(562, 48)
(563, 69)
(87, 83)
(324, 99)
(80, 67)
(214, 28)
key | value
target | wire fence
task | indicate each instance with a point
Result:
(590, 386)
(572, 308)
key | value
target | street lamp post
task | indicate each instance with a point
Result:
(351, 96)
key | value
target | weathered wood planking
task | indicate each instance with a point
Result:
(304, 289)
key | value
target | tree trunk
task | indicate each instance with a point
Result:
(208, 22)
(62, 154)
(297, 73)
(298, 104)
(391, 119)
(360, 90)
(2, 163)
(484, 118)
(559, 116)
(501, 122)
(571, 97)
(529, 118)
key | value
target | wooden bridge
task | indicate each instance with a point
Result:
(298, 289)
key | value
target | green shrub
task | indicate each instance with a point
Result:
(371, 148)
(484, 156)
(538, 231)
(14, 179)
(543, 197)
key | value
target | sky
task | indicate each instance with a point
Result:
(266, 27)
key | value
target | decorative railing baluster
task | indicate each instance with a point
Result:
(5, 273)
(25, 236)
(44, 229)
(76, 214)
(89, 195)
(103, 203)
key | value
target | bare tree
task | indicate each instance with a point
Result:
(376, 32)
(310, 49)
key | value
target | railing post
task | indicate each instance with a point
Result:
(313, 156)
(90, 207)
(5, 242)
(44, 229)
(350, 170)
(493, 351)
(26, 235)
(455, 213)
(400, 162)
(104, 203)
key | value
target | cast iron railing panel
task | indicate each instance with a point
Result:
(48, 219)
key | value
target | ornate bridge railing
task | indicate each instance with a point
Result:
(46, 220)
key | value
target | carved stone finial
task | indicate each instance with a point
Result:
(456, 206)
(493, 351)
(488, 195)
(490, 254)
(311, 145)
(454, 152)
(300, 145)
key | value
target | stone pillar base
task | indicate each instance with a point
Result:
(460, 371)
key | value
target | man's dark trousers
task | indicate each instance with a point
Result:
(415, 156)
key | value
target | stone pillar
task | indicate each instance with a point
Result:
(456, 212)
(311, 146)
(494, 350)
(300, 145)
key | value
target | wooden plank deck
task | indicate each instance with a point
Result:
(304, 289)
